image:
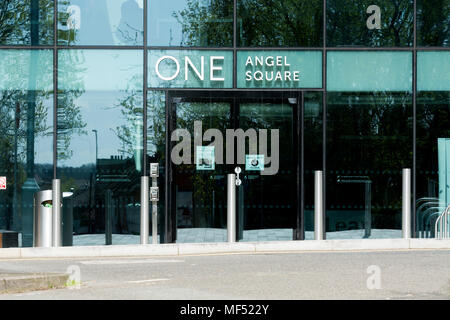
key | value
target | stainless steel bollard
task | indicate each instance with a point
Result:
(406, 203)
(154, 197)
(368, 209)
(231, 207)
(42, 220)
(240, 212)
(109, 209)
(318, 206)
(144, 209)
(67, 219)
(56, 213)
(154, 222)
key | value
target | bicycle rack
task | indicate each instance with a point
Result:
(441, 227)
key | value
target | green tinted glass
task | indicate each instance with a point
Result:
(369, 71)
(26, 69)
(433, 71)
(100, 69)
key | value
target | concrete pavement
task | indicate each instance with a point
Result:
(350, 275)
(11, 281)
(181, 249)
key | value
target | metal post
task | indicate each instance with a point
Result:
(445, 224)
(144, 209)
(368, 209)
(56, 213)
(67, 219)
(108, 216)
(318, 206)
(241, 213)
(406, 203)
(231, 207)
(154, 214)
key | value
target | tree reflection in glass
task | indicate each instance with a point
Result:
(347, 23)
(26, 135)
(100, 22)
(190, 23)
(100, 140)
(433, 140)
(369, 137)
(280, 23)
(20, 20)
(433, 23)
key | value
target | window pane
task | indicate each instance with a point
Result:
(369, 71)
(433, 71)
(106, 70)
(284, 23)
(100, 142)
(156, 148)
(100, 22)
(313, 153)
(369, 92)
(369, 142)
(28, 22)
(26, 159)
(433, 154)
(26, 70)
(200, 23)
(368, 23)
(433, 23)
(200, 195)
(433, 139)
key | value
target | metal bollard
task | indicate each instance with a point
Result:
(67, 219)
(154, 222)
(318, 206)
(231, 207)
(56, 213)
(406, 203)
(144, 209)
(109, 209)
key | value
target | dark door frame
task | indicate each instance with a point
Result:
(170, 215)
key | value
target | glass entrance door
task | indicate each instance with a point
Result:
(212, 133)
(199, 182)
(268, 199)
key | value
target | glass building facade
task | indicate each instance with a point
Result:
(93, 91)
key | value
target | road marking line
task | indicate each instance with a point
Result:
(149, 280)
(101, 262)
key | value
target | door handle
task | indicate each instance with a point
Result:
(238, 171)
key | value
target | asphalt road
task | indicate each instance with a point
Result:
(420, 274)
